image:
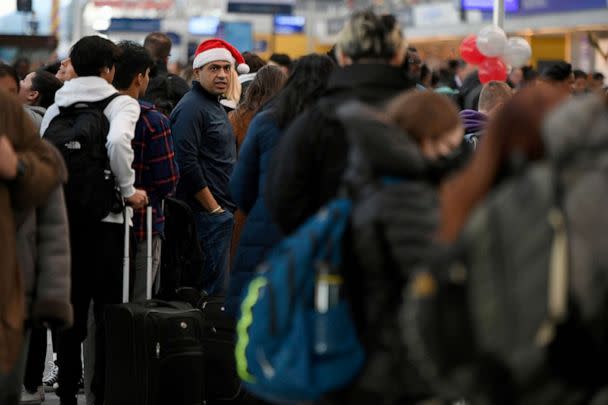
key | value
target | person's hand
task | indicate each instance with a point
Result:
(8, 159)
(138, 200)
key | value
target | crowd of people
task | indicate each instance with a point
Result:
(254, 149)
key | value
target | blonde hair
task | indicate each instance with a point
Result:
(492, 94)
(367, 36)
(234, 88)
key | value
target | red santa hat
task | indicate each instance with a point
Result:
(216, 49)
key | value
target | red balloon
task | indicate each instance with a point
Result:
(469, 51)
(492, 69)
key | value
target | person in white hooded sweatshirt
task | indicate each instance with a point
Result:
(96, 248)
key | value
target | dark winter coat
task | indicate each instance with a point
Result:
(260, 233)
(311, 157)
(205, 147)
(392, 226)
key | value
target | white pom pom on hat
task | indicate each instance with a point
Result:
(217, 49)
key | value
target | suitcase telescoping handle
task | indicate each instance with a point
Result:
(149, 252)
(126, 257)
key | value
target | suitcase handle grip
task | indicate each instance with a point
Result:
(126, 256)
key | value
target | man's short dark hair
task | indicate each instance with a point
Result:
(529, 73)
(598, 76)
(579, 74)
(455, 64)
(557, 72)
(90, 55)
(46, 84)
(159, 46)
(8, 70)
(281, 59)
(134, 59)
(254, 62)
(165, 92)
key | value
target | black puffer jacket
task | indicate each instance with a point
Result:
(395, 215)
(310, 159)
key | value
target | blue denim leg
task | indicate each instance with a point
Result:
(214, 235)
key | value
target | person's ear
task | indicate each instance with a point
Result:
(33, 96)
(139, 79)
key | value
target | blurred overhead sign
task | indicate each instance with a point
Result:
(141, 4)
(237, 33)
(284, 7)
(203, 25)
(535, 6)
(511, 6)
(436, 14)
(287, 24)
(134, 25)
(551, 6)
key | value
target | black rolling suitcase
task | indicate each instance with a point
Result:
(219, 337)
(154, 349)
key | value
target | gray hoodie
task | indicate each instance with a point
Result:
(122, 113)
(36, 113)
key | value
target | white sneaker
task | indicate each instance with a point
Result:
(50, 379)
(35, 397)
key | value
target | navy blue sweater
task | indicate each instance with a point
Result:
(205, 148)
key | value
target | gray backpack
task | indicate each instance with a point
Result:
(517, 312)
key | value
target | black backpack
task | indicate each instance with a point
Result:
(80, 132)
(517, 311)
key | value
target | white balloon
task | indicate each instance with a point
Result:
(517, 52)
(491, 41)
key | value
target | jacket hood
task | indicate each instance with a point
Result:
(36, 110)
(377, 147)
(83, 89)
(473, 121)
(36, 114)
(579, 124)
(247, 77)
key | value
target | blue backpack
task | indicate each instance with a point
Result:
(287, 350)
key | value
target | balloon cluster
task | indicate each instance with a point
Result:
(493, 52)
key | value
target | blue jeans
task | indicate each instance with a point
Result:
(214, 235)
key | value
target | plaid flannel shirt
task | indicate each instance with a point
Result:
(155, 167)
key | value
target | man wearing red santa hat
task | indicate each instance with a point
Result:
(205, 150)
